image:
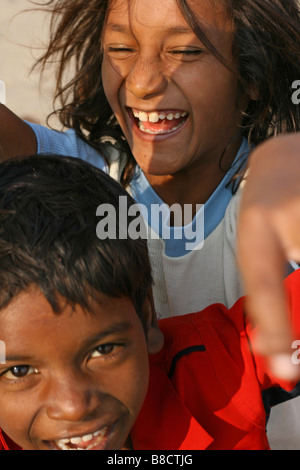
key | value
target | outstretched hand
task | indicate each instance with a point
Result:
(268, 238)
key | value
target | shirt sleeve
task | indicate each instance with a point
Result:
(67, 143)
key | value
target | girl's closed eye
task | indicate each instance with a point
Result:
(120, 51)
(187, 51)
(125, 51)
(186, 54)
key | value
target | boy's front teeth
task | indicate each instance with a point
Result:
(81, 442)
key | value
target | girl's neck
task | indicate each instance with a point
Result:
(195, 184)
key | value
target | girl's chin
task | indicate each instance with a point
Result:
(153, 168)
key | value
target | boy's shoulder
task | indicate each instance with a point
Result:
(205, 365)
(216, 320)
(216, 330)
(6, 443)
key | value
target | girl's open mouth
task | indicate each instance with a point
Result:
(158, 122)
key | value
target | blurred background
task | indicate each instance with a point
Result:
(22, 38)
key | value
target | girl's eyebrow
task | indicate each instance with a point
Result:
(177, 30)
(171, 30)
(119, 28)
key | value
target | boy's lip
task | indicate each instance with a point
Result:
(98, 439)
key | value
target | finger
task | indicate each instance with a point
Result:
(282, 366)
(286, 222)
(262, 263)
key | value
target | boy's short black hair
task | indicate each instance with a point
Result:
(48, 234)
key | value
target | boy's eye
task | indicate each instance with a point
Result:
(18, 372)
(105, 350)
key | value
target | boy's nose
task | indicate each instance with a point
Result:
(70, 400)
(146, 79)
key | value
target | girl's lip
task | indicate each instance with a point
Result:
(157, 137)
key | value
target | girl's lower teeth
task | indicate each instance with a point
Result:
(158, 131)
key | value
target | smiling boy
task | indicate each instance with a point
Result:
(78, 324)
(56, 403)
(76, 378)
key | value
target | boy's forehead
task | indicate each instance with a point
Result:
(29, 317)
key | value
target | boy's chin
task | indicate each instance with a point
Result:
(128, 444)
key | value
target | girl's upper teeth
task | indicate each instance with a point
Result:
(156, 116)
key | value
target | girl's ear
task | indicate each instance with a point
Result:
(250, 91)
(253, 92)
(155, 338)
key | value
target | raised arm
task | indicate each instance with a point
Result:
(268, 237)
(17, 139)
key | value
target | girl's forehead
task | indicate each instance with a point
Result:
(144, 13)
(157, 13)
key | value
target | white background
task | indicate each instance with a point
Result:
(21, 39)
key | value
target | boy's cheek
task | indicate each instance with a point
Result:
(137, 380)
(13, 424)
(139, 385)
(22, 419)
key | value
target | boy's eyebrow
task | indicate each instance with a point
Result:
(115, 328)
(17, 358)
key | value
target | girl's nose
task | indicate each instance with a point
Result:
(146, 79)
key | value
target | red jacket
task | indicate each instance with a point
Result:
(206, 385)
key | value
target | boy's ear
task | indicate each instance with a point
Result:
(155, 338)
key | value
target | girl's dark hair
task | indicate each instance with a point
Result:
(48, 234)
(267, 45)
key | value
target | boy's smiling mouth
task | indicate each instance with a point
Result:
(97, 440)
(160, 122)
